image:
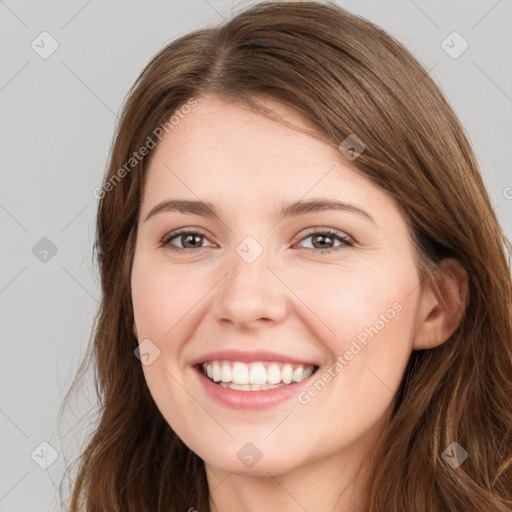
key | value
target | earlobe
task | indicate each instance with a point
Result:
(441, 312)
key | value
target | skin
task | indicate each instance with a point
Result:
(292, 299)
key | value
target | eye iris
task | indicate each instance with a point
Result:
(322, 237)
(187, 239)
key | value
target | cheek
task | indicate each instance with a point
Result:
(161, 295)
(373, 325)
(163, 300)
(366, 318)
(349, 298)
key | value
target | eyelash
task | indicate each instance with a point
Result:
(345, 240)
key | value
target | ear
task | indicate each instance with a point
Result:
(135, 330)
(440, 312)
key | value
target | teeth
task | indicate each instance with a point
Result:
(216, 373)
(255, 376)
(306, 373)
(240, 374)
(273, 374)
(297, 374)
(258, 374)
(287, 373)
(249, 387)
(226, 373)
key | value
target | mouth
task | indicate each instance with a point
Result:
(254, 376)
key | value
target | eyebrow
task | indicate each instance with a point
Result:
(207, 209)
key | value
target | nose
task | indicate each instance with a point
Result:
(251, 294)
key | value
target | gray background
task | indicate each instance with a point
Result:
(58, 116)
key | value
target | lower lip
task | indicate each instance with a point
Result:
(251, 400)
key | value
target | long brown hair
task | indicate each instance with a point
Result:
(346, 76)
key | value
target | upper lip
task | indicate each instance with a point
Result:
(252, 356)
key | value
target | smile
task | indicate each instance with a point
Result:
(255, 376)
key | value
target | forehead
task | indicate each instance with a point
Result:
(242, 160)
(218, 131)
(221, 146)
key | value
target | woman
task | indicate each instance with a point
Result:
(340, 337)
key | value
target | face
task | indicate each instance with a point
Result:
(263, 294)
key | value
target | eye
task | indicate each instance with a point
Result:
(324, 238)
(189, 239)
